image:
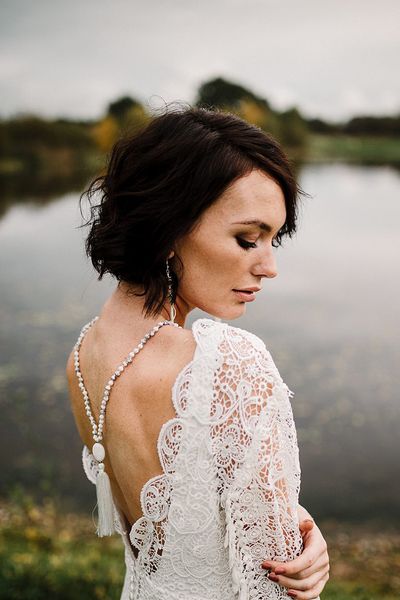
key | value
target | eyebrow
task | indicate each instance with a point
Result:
(260, 224)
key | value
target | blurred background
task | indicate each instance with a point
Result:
(323, 78)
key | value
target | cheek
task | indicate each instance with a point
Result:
(206, 258)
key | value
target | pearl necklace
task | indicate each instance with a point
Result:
(105, 503)
(97, 429)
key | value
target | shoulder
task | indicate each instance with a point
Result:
(69, 367)
(170, 349)
(238, 348)
(176, 340)
(70, 371)
(228, 337)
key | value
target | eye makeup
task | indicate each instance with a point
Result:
(245, 244)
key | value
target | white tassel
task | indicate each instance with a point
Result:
(105, 504)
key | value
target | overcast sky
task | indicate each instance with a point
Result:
(331, 58)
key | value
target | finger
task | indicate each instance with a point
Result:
(305, 528)
(309, 594)
(320, 565)
(294, 567)
(299, 584)
(314, 547)
(306, 525)
(305, 561)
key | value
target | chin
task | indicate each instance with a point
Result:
(229, 313)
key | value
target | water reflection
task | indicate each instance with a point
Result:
(330, 321)
(38, 188)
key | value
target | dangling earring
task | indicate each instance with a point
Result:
(170, 295)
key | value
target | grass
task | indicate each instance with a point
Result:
(44, 553)
(365, 562)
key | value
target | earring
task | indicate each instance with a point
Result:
(170, 295)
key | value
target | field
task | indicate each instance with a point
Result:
(44, 553)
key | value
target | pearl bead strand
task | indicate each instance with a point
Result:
(97, 429)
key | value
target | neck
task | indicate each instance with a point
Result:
(128, 305)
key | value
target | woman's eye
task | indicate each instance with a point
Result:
(244, 244)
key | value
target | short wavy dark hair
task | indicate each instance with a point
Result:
(160, 180)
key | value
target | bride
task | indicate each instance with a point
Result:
(188, 433)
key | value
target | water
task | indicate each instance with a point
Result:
(330, 320)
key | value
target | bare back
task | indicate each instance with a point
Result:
(140, 399)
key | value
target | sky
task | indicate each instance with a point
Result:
(333, 59)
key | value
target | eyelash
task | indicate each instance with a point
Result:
(247, 245)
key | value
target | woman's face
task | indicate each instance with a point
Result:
(223, 254)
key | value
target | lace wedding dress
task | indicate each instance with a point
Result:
(227, 497)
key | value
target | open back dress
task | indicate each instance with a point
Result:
(227, 495)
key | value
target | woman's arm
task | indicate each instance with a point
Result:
(305, 576)
(254, 445)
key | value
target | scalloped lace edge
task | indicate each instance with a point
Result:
(87, 456)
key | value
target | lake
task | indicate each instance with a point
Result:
(330, 320)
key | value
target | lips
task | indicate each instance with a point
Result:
(252, 289)
(245, 295)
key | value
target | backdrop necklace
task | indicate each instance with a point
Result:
(105, 503)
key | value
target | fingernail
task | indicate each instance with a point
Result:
(266, 565)
(273, 577)
(280, 570)
(292, 594)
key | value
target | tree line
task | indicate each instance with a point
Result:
(29, 143)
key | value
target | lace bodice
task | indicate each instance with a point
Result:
(227, 496)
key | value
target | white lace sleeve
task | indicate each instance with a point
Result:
(254, 442)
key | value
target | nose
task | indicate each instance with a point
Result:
(266, 266)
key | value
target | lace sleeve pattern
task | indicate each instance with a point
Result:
(254, 444)
(227, 496)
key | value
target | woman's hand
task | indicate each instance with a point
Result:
(305, 576)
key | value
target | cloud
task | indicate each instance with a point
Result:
(331, 58)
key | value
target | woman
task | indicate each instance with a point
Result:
(204, 488)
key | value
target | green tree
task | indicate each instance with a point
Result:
(126, 114)
(372, 125)
(293, 130)
(222, 93)
(120, 107)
